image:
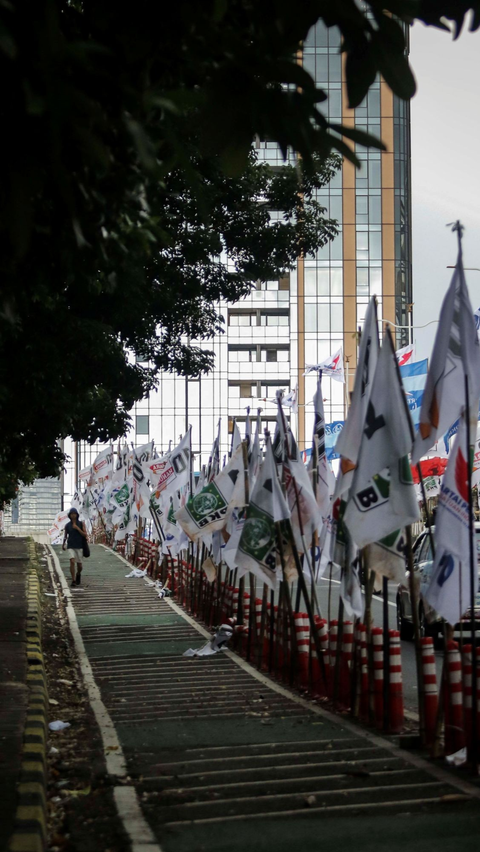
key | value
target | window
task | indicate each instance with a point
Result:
(274, 319)
(142, 424)
(284, 282)
(274, 353)
(237, 319)
(242, 355)
(247, 390)
(268, 391)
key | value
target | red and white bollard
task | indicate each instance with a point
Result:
(430, 687)
(377, 641)
(363, 683)
(332, 654)
(302, 635)
(246, 624)
(235, 593)
(345, 684)
(395, 687)
(319, 686)
(258, 626)
(467, 692)
(454, 726)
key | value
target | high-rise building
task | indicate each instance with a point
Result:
(310, 312)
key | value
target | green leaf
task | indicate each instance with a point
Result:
(360, 71)
(394, 68)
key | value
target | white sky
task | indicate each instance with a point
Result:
(445, 168)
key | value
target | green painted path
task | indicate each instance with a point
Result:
(225, 760)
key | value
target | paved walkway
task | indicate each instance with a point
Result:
(222, 758)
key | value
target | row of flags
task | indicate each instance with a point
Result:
(264, 510)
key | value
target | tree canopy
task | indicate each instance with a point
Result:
(127, 168)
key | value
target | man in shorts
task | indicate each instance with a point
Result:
(75, 534)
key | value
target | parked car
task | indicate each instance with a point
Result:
(429, 620)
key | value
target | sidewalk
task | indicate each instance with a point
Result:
(22, 706)
(221, 757)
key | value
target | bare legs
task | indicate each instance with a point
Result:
(75, 572)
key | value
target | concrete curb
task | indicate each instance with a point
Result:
(30, 833)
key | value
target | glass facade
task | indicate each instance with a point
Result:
(271, 335)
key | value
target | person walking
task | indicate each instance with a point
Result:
(75, 534)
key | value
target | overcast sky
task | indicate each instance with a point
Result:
(445, 168)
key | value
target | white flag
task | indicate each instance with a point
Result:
(102, 466)
(255, 453)
(476, 318)
(449, 588)
(382, 496)
(236, 437)
(349, 439)
(387, 556)
(406, 355)
(306, 517)
(331, 367)
(318, 466)
(290, 400)
(171, 472)
(257, 549)
(476, 460)
(456, 353)
(209, 510)
(121, 465)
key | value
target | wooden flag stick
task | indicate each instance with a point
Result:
(416, 633)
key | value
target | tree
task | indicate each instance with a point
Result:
(84, 333)
(103, 181)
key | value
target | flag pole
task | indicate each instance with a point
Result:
(458, 228)
(473, 584)
(412, 585)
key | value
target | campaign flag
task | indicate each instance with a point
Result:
(387, 556)
(209, 510)
(414, 377)
(279, 445)
(382, 495)
(332, 431)
(255, 454)
(476, 460)
(318, 466)
(257, 549)
(331, 367)
(236, 437)
(85, 474)
(102, 466)
(476, 319)
(350, 585)
(121, 465)
(349, 438)
(142, 454)
(449, 589)
(406, 355)
(61, 520)
(306, 517)
(456, 354)
(89, 507)
(290, 400)
(141, 491)
(172, 471)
